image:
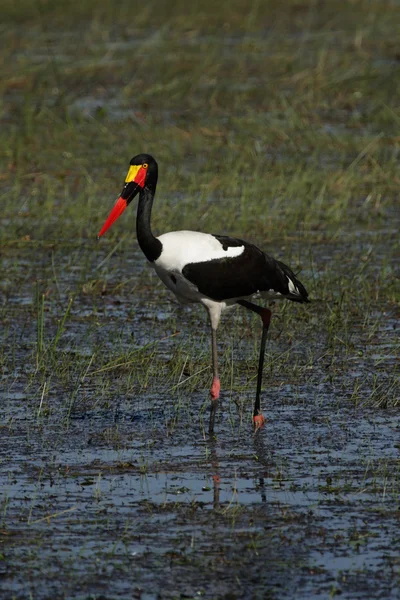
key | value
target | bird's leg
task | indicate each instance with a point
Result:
(216, 385)
(265, 315)
(258, 418)
(214, 313)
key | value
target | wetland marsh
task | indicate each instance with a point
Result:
(277, 123)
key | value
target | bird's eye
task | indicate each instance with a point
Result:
(145, 165)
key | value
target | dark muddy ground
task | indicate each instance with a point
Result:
(274, 122)
(111, 493)
(117, 505)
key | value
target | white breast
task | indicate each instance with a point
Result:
(184, 247)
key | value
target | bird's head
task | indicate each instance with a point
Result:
(142, 174)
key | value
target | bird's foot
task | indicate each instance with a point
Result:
(215, 389)
(258, 421)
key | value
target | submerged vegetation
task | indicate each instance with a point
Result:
(278, 123)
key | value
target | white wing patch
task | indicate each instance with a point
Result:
(292, 288)
(184, 247)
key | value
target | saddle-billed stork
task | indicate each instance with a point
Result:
(215, 270)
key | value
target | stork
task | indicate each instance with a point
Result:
(216, 271)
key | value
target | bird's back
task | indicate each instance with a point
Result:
(224, 268)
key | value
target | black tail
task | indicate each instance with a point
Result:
(296, 290)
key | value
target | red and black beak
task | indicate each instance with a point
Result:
(134, 183)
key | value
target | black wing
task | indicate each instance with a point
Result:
(244, 275)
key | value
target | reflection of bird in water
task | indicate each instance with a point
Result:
(216, 271)
(262, 457)
(212, 447)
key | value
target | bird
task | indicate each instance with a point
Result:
(216, 271)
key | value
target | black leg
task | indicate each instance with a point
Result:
(257, 405)
(265, 315)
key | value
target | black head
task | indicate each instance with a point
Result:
(149, 164)
(142, 176)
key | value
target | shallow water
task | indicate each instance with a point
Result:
(110, 485)
(106, 500)
(108, 492)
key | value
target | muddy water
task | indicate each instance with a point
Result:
(118, 502)
(110, 486)
(108, 494)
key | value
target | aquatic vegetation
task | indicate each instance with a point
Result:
(269, 121)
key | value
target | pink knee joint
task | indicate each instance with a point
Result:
(215, 389)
